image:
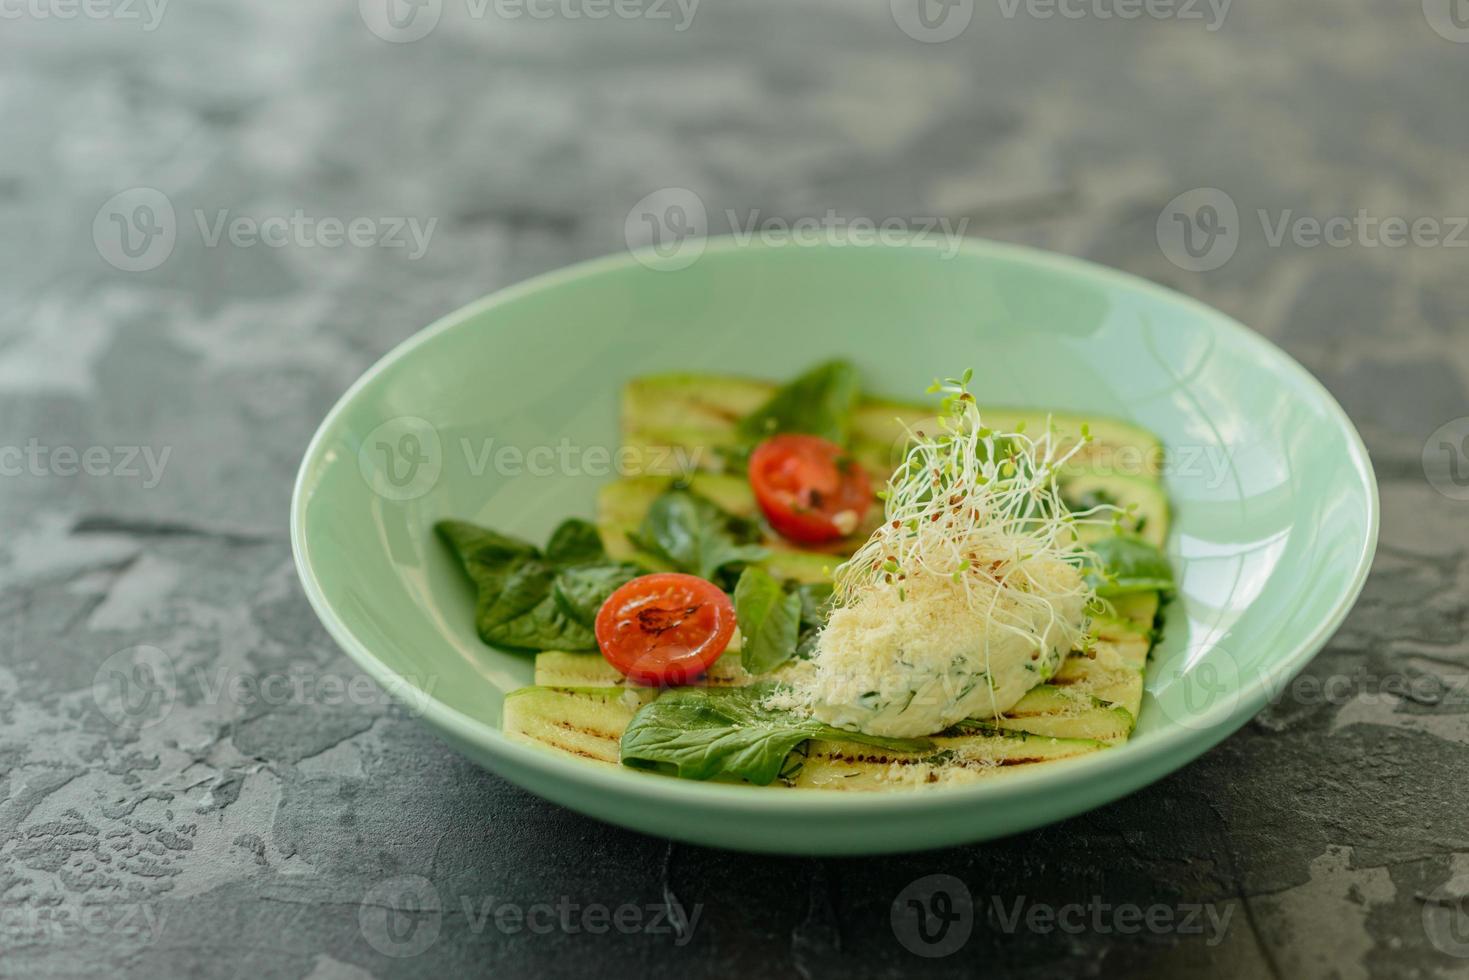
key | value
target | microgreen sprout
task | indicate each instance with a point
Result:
(982, 509)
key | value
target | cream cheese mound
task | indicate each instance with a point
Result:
(916, 663)
(970, 593)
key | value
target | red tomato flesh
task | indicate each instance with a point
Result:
(666, 628)
(809, 488)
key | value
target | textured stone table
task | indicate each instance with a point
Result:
(162, 366)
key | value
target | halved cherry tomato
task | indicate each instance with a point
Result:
(665, 628)
(809, 488)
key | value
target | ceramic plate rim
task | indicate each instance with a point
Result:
(1212, 726)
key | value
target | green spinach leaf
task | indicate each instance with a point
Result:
(1129, 564)
(769, 618)
(527, 600)
(707, 733)
(575, 541)
(581, 589)
(819, 402)
(695, 536)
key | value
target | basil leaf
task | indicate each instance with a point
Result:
(769, 618)
(526, 584)
(707, 733)
(1129, 564)
(529, 601)
(528, 617)
(819, 403)
(491, 560)
(694, 535)
(581, 589)
(575, 541)
(470, 541)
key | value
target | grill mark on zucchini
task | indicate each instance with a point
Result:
(936, 769)
(573, 727)
(722, 412)
(863, 758)
(579, 753)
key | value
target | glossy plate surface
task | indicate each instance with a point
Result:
(505, 413)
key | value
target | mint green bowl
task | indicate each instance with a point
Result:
(1274, 499)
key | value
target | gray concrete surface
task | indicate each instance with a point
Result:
(264, 832)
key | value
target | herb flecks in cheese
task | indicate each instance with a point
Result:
(971, 592)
